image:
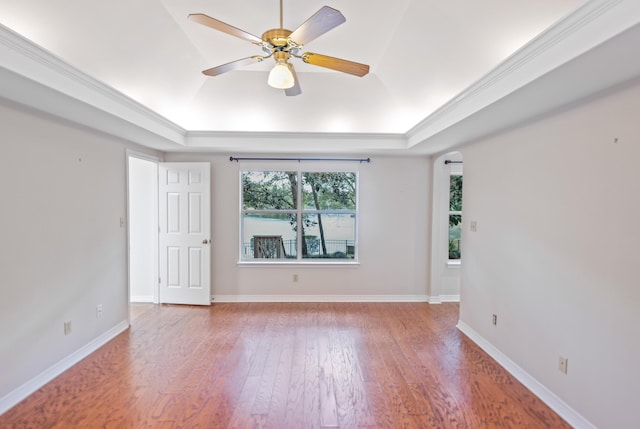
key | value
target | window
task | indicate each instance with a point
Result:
(455, 215)
(291, 216)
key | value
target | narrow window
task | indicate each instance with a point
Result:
(455, 215)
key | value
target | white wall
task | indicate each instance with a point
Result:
(143, 229)
(394, 242)
(63, 249)
(555, 254)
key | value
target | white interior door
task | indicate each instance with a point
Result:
(184, 239)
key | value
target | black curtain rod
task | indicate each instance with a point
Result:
(448, 161)
(360, 160)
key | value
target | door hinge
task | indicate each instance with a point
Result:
(159, 280)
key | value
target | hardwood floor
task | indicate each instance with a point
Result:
(286, 366)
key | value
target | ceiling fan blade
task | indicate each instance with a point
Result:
(345, 66)
(215, 71)
(322, 21)
(295, 89)
(203, 19)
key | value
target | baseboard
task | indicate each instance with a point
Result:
(141, 298)
(320, 298)
(20, 393)
(570, 415)
(439, 299)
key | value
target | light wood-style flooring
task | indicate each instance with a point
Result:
(286, 366)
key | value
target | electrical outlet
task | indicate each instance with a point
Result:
(474, 225)
(563, 363)
(295, 278)
(67, 327)
(99, 311)
(494, 319)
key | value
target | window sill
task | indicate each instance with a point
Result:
(298, 264)
(453, 263)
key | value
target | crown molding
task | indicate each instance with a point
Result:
(589, 26)
(296, 142)
(59, 84)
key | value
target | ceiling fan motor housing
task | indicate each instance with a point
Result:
(277, 37)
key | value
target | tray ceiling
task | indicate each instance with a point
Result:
(423, 55)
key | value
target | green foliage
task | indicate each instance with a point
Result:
(455, 193)
(329, 191)
(268, 190)
(455, 199)
(277, 190)
(455, 221)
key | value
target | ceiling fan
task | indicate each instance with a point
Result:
(282, 44)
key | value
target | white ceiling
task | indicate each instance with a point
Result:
(425, 57)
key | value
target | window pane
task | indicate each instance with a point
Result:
(455, 193)
(455, 225)
(329, 191)
(269, 190)
(269, 236)
(329, 235)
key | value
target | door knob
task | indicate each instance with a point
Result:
(205, 241)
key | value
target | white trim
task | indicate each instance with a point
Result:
(143, 155)
(572, 417)
(439, 299)
(14, 397)
(295, 142)
(320, 262)
(20, 89)
(320, 298)
(141, 298)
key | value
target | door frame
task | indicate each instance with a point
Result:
(156, 160)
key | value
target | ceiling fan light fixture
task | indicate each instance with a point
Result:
(280, 76)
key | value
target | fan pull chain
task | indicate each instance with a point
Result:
(281, 25)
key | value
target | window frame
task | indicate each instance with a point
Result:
(299, 211)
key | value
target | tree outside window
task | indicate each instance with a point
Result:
(289, 215)
(455, 215)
